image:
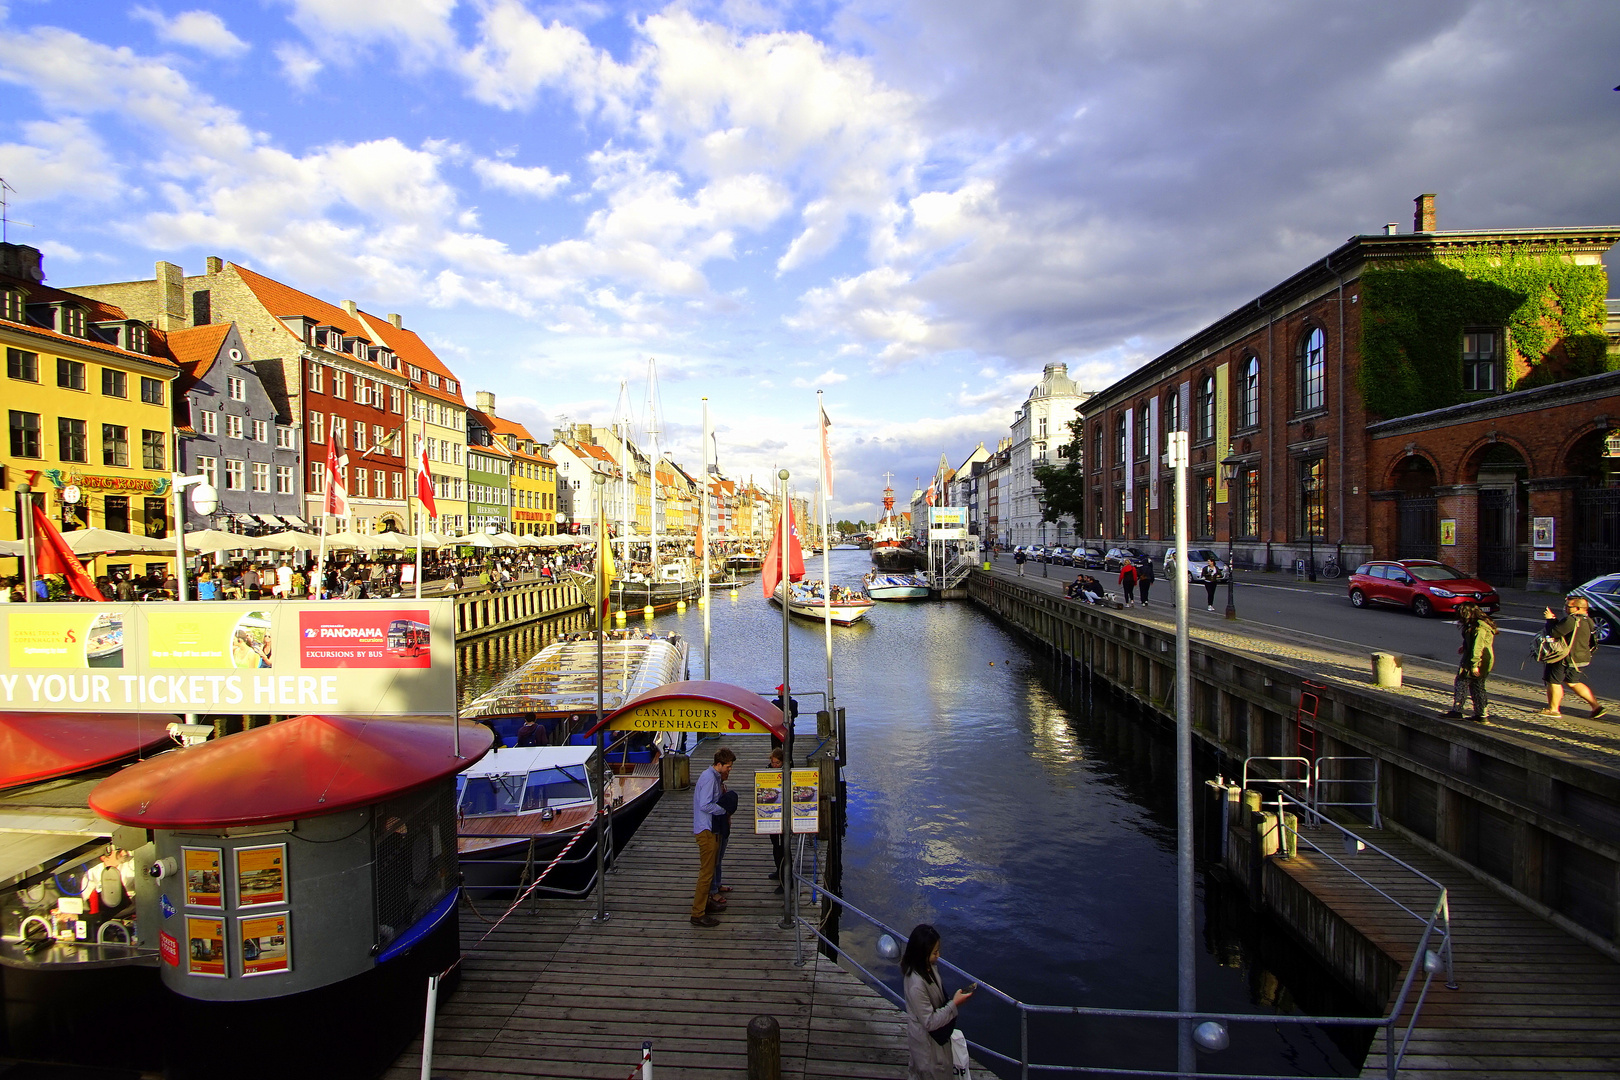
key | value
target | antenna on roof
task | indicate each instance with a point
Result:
(5, 219)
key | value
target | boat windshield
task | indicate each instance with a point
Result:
(502, 794)
(550, 787)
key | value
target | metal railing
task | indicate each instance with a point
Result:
(1431, 963)
(1320, 784)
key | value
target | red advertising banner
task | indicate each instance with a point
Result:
(365, 638)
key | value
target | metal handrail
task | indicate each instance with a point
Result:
(1025, 1065)
(1306, 779)
(1319, 781)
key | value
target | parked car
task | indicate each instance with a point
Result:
(1603, 594)
(1423, 585)
(1059, 556)
(1088, 558)
(1117, 557)
(1196, 558)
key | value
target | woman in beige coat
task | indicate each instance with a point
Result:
(928, 1015)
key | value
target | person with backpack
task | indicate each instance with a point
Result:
(1127, 581)
(1144, 579)
(1478, 657)
(1565, 647)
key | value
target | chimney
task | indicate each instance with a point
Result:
(215, 264)
(395, 321)
(22, 262)
(485, 401)
(1392, 228)
(351, 307)
(1423, 216)
(171, 286)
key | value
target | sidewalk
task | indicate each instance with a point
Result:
(1427, 686)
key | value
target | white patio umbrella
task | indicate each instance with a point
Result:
(557, 540)
(389, 541)
(113, 542)
(346, 540)
(476, 540)
(510, 540)
(11, 547)
(209, 541)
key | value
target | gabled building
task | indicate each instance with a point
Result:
(534, 474)
(489, 476)
(89, 401)
(578, 496)
(235, 429)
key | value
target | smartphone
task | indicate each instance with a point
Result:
(971, 988)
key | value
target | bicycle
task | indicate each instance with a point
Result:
(1331, 568)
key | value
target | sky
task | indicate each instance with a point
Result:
(911, 205)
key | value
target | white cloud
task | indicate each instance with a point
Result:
(298, 64)
(518, 55)
(830, 377)
(201, 30)
(537, 181)
(421, 28)
(60, 158)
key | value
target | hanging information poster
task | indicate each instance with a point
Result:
(1448, 532)
(280, 658)
(205, 946)
(261, 875)
(205, 886)
(265, 943)
(806, 801)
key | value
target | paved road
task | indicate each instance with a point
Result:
(1323, 609)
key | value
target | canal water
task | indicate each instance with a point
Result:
(1037, 837)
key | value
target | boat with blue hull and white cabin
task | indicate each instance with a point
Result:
(882, 585)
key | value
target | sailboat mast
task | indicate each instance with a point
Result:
(652, 470)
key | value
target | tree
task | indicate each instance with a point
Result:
(1063, 486)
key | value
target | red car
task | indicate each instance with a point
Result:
(1423, 585)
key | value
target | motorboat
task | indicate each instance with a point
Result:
(882, 585)
(849, 606)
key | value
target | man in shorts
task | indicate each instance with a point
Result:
(1576, 627)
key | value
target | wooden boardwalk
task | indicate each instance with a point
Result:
(555, 994)
(1531, 1000)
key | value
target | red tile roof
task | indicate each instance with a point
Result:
(96, 311)
(413, 350)
(195, 348)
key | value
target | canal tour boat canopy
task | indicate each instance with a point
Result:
(43, 746)
(711, 708)
(306, 767)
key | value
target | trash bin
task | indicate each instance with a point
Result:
(1386, 669)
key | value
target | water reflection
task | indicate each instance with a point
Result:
(1039, 839)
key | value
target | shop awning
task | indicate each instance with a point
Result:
(246, 519)
(42, 746)
(300, 768)
(271, 520)
(295, 521)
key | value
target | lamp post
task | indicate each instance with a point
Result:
(204, 500)
(1046, 560)
(1309, 486)
(1229, 471)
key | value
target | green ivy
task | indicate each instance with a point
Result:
(1414, 313)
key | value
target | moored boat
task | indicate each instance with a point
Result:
(881, 585)
(849, 606)
(559, 682)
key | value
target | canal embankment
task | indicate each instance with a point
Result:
(483, 612)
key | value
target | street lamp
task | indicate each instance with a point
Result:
(1046, 561)
(1229, 471)
(204, 500)
(1309, 486)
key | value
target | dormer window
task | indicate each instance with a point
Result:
(433, 380)
(450, 385)
(13, 305)
(139, 340)
(414, 372)
(73, 320)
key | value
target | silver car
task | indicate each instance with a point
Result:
(1196, 558)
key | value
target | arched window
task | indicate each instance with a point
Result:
(1119, 440)
(1251, 392)
(1144, 427)
(1311, 370)
(1172, 411)
(1206, 408)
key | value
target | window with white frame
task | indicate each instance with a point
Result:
(284, 480)
(340, 430)
(233, 427)
(377, 436)
(395, 399)
(261, 476)
(209, 468)
(235, 475)
(235, 389)
(340, 383)
(362, 483)
(284, 438)
(433, 380)
(208, 422)
(362, 391)
(317, 427)
(360, 436)
(261, 431)
(317, 378)
(399, 485)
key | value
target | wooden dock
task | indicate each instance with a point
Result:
(554, 994)
(1531, 1001)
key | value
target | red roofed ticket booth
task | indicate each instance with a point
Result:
(303, 885)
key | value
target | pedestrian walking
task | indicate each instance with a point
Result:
(930, 1019)
(1575, 627)
(1144, 580)
(1018, 557)
(778, 848)
(705, 805)
(1478, 657)
(1128, 576)
(1211, 576)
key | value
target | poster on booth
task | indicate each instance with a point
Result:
(266, 946)
(806, 801)
(205, 887)
(280, 658)
(205, 946)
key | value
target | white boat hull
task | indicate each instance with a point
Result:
(881, 586)
(846, 614)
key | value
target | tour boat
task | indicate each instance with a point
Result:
(896, 586)
(889, 552)
(849, 606)
(559, 682)
(745, 562)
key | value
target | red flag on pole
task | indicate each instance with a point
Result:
(771, 572)
(53, 556)
(826, 453)
(337, 497)
(424, 484)
(929, 498)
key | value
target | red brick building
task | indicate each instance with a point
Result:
(1285, 396)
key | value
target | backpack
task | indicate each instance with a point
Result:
(1552, 649)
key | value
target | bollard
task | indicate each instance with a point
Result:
(1251, 805)
(764, 1049)
(1265, 833)
(1288, 836)
(1386, 669)
(646, 1060)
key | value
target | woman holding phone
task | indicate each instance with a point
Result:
(930, 1019)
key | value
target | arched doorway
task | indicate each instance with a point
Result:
(1597, 504)
(388, 525)
(1417, 530)
(1503, 529)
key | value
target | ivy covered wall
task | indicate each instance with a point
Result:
(1414, 313)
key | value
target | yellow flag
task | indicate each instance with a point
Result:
(605, 559)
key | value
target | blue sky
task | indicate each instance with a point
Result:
(910, 205)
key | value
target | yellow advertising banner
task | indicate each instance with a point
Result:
(205, 946)
(1223, 428)
(205, 886)
(687, 714)
(283, 658)
(768, 801)
(261, 875)
(265, 943)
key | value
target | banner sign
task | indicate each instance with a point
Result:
(280, 658)
(768, 801)
(686, 714)
(947, 523)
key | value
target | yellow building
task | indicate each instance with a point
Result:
(534, 474)
(89, 395)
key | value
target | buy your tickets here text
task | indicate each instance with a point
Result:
(194, 690)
